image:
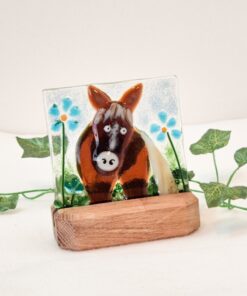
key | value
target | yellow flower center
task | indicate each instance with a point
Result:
(63, 117)
(164, 129)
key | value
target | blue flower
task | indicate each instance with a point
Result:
(66, 114)
(166, 125)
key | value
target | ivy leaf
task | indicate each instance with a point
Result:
(34, 147)
(57, 145)
(215, 193)
(8, 202)
(240, 156)
(177, 173)
(187, 175)
(212, 140)
(238, 192)
(39, 147)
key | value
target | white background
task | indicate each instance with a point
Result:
(51, 43)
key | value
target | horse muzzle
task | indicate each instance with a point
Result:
(107, 161)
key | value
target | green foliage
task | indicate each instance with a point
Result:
(177, 174)
(212, 140)
(8, 202)
(214, 192)
(218, 194)
(73, 184)
(153, 187)
(58, 204)
(238, 192)
(74, 200)
(39, 147)
(240, 156)
(75, 194)
(118, 193)
(34, 147)
(80, 200)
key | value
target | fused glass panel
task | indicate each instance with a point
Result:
(115, 141)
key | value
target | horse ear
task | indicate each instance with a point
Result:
(132, 96)
(98, 98)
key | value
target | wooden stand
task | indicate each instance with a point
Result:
(125, 222)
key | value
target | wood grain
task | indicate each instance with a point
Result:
(125, 222)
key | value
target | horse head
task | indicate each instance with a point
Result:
(112, 127)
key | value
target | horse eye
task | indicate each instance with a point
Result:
(107, 128)
(123, 130)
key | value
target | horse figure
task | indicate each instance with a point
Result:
(112, 150)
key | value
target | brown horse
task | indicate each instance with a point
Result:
(110, 149)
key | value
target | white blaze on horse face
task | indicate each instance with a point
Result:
(107, 161)
(113, 141)
(118, 111)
